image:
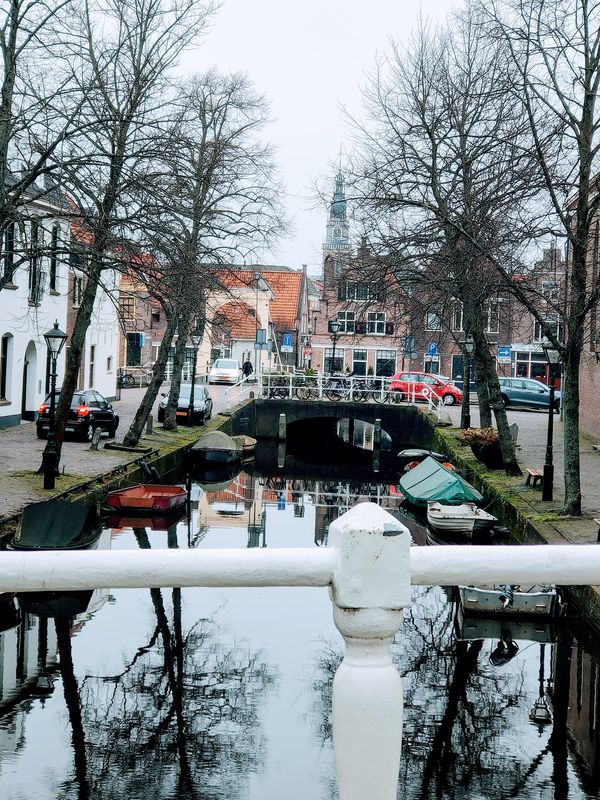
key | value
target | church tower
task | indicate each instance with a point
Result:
(336, 248)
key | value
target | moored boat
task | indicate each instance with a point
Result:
(147, 497)
(57, 525)
(463, 518)
(152, 521)
(510, 600)
(431, 480)
(215, 447)
(247, 443)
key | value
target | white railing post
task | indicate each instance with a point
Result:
(371, 586)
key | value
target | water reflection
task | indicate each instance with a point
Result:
(203, 694)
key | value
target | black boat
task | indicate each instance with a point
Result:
(57, 525)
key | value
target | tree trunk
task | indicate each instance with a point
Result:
(507, 445)
(483, 395)
(570, 389)
(170, 422)
(76, 348)
(134, 434)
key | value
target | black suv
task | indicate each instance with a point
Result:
(89, 410)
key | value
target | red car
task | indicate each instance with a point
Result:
(423, 384)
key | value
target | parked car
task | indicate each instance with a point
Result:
(527, 393)
(225, 370)
(203, 404)
(89, 410)
(423, 384)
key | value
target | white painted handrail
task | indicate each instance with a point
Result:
(369, 566)
(569, 565)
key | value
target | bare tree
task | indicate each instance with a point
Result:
(555, 52)
(214, 199)
(128, 49)
(444, 179)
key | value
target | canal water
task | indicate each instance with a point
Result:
(225, 694)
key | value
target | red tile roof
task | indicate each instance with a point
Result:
(286, 287)
(237, 319)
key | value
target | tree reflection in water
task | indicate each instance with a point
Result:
(460, 711)
(180, 720)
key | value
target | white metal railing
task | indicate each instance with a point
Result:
(239, 391)
(298, 386)
(369, 567)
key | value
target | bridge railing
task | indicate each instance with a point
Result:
(369, 567)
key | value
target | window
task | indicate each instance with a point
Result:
(552, 321)
(35, 276)
(433, 321)
(493, 315)
(457, 316)
(109, 364)
(92, 364)
(432, 364)
(376, 323)
(9, 252)
(53, 258)
(550, 290)
(386, 363)
(127, 307)
(359, 362)
(347, 320)
(134, 349)
(5, 358)
(329, 365)
(354, 290)
(77, 290)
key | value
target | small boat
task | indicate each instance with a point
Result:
(57, 525)
(432, 481)
(463, 518)
(55, 605)
(472, 627)
(510, 600)
(147, 497)
(155, 522)
(247, 443)
(215, 447)
(417, 454)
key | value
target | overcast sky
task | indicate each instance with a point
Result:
(309, 59)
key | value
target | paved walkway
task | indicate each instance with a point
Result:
(531, 452)
(21, 454)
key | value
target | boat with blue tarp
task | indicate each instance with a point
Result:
(431, 480)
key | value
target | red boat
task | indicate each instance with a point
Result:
(157, 521)
(147, 497)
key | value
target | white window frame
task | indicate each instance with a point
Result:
(458, 311)
(347, 321)
(493, 316)
(376, 321)
(433, 320)
(551, 319)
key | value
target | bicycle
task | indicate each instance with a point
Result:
(125, 380)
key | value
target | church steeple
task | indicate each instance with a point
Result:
(337, 239)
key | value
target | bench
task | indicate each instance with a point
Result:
(533, 476)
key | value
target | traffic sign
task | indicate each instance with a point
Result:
(287, 343)
(504, 354)
(432, 349)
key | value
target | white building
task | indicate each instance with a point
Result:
(35, 296)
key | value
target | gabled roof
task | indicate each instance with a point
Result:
(237, 319)
(285, 305)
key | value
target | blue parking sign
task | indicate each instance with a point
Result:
(432, 349)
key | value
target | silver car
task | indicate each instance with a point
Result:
(527, 393)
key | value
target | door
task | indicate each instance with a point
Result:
(458, 377)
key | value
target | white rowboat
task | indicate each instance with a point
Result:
(464, 518)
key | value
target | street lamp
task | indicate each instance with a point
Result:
(55, 340)
(334, 329)
(468, 348)
(196, 337)
(553, 358)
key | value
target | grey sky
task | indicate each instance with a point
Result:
(309, 59)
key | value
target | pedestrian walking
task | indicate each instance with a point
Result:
(247, 368)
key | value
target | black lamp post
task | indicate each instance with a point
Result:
(55, 340)
(552, 357)
(334, 329)
(196, 338)
(468, 348)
